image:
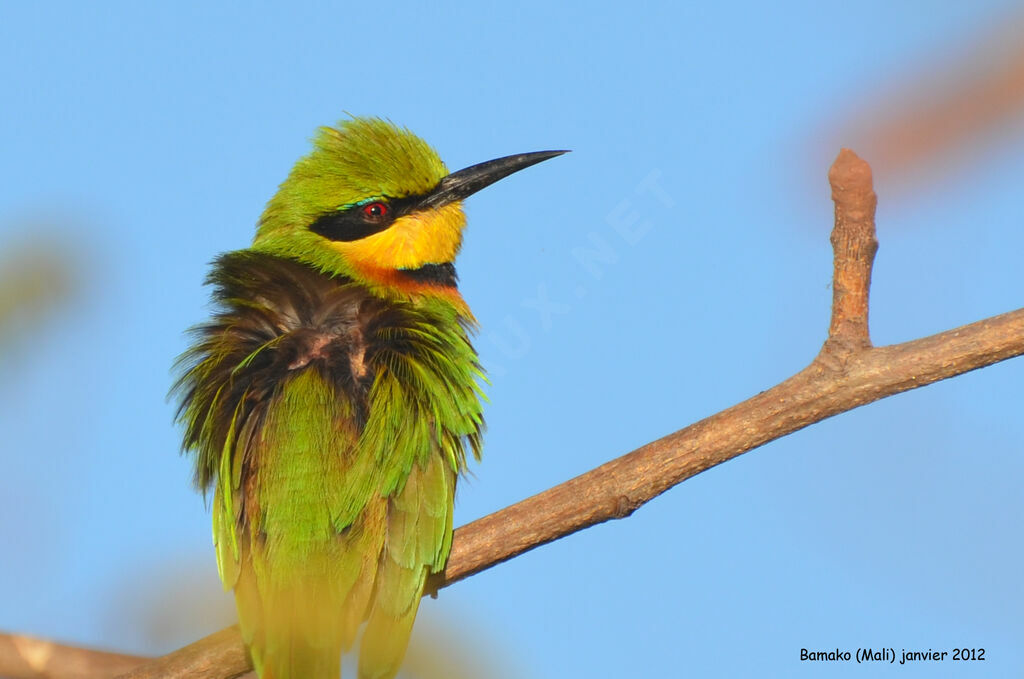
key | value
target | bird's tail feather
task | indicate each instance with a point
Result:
(419, 525)
(390, 624)
(295, 635)
(294, 658)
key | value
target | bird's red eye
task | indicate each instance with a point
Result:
(375, 210)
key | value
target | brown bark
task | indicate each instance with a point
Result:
(23, 657)
(219, 655)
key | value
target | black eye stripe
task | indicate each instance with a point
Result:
(344, 226)
(354, 224)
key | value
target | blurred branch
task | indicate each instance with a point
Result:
(23, 657)
(848, 372)
(934, 117)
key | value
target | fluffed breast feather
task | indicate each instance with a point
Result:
(274, 316)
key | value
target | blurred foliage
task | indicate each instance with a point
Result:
(37, 278)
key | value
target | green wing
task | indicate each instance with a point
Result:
(315, 549)
(419, 531)
(299, 530)
(333, 493)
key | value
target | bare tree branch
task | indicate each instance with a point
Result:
(847, 373)
(24, 657)
(854, 245)
(219, 655)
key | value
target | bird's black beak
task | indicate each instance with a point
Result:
(459, 185)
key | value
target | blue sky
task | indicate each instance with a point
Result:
(147, 138)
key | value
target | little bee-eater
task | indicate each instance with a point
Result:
(332, 398)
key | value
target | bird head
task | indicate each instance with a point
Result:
(374, 202)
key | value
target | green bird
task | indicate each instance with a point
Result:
(332, 398)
